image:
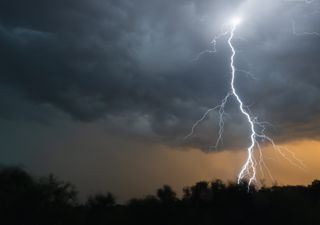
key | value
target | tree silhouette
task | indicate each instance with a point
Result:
(27, 200)
(101, 201)
(100, 209)
(166, 194)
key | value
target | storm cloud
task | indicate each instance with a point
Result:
(129, 64)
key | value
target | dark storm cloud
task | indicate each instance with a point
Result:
(130, 63)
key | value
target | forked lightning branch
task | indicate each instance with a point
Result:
(255, 159)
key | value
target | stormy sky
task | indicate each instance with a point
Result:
(86, 86)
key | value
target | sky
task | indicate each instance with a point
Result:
(103, 92)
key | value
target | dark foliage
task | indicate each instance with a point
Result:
(27, 200)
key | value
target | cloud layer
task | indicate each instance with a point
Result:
(129, 65)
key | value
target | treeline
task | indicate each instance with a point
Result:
(26, 200)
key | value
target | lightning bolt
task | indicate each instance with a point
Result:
(308, 1)
(294, 31)
(305, 1)
(249, 166)
(248, 171)
(305, 33)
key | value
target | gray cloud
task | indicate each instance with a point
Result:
(129, 64)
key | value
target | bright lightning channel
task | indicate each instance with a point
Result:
(305, 33)
(250, 163)
(248, 171)
(294, 31)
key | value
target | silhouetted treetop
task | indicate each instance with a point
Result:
(166, 194)
(27, 200)
(101, 201)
